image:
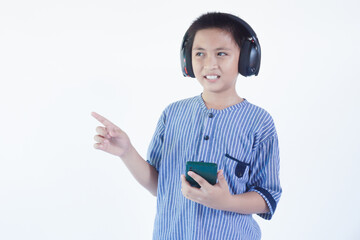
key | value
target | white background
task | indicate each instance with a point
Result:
(60, 60)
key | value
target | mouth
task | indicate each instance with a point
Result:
(212, 77)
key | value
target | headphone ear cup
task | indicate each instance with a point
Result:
(254, 61)
(244, 58)
(249, 62)
(188, 62)
(185, 57)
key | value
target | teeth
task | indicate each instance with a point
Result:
(211, 77)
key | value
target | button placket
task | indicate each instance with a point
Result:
(208, 125)
(207, 135)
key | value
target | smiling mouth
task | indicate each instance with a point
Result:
(211, 77)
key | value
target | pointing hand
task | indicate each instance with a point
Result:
(110, 138)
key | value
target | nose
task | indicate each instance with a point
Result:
(210, 62)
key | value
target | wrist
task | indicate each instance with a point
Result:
(128, 153)
(228, 203)
(223, 203)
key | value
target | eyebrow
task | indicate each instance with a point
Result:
(217, 49)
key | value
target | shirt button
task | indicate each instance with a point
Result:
(211, 115)
(206, 137)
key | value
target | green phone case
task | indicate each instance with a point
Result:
(206, 170)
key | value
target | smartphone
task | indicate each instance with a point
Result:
(206, 170)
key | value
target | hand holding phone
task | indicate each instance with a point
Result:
(206, 170)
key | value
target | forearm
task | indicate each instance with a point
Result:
(246, 203)
(143, 172)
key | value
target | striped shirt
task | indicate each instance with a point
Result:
(241, 139)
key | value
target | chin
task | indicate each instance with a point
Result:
(213, 90)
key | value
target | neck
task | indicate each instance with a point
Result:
(219, 102)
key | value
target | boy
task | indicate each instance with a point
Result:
(217, 126)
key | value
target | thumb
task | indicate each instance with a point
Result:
(114, 132)
(221, 178)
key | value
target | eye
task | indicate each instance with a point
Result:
(199, 54)
(221, 54)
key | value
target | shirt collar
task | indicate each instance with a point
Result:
(228, 109)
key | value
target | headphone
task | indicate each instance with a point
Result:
(250, 52)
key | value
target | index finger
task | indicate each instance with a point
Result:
(101, 119)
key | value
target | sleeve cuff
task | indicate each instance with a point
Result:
(152, 165)
(270, 201)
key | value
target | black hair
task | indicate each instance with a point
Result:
(224, 21)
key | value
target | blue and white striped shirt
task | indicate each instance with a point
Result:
(241, 139)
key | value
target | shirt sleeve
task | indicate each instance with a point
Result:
(154, 153)
(264, 176)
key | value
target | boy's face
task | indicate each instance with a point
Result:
(215, 57)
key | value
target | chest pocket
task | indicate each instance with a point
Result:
(240, 166)
(237, 173)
